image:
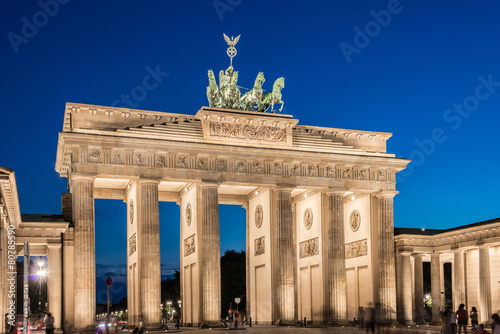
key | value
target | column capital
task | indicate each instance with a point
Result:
(417, 255)
(204, 184)
(284, 188)
(148, 181)
(54, 246)
(82, 177)
(335, 191)
(386, 194)
(435, 255)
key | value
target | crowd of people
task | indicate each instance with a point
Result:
(454, 322)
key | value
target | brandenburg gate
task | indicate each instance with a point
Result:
(319, 205)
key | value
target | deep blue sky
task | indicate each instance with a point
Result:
(403, 80)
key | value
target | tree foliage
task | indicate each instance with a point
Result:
(233, 280)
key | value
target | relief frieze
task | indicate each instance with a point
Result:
(189, 245)
(356, 249)
(132, 244)
(309, 248)
(330, 172)
(260, 246)
(117, 158)
(140, 159)
(241, 166)
(95, 156)
(247, 132)
(181, 162)
(161, 161)
(221, 165)
(202, 163)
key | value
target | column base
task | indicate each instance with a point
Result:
(211, 324)
(152, 326)
(88, 329)
(282, 322)
(339, 323)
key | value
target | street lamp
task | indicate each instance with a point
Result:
(40, 273)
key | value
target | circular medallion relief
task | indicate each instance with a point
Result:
(188, 214)
(259, 216)
(131, 211)
(308, 218)
(355, 220)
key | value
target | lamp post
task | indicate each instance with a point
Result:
(169, 305)
(40, 273)
(180, 313)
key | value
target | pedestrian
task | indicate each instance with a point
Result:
(7, 324)
(370, 323)
(480, 330)
(453, 321)
(495, 326)
(446, 318)
(473, 317)
(361, 317)
(462, 319)
(49, 324)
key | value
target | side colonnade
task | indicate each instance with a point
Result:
(472, 251)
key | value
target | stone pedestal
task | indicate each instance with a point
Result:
(285, 261)
(84, 252)
(387, 274)
(484, 285)
(336, 258)
(435, 289)
(208, 202)
(148, 222)
(54, 282)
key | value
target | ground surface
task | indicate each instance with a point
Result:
(322, 330)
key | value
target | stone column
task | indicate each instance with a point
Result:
(336, 257)
(419, 289)
(84, 252)
(285, 263)
(484, 285)
(458, 284)
(387, 273)
(3, 267)
(247, 258)
(436, 289)
(148, 221)
(406, 305)
(68, 278)
(54, 283)
(210, 253)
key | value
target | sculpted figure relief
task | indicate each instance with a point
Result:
(309, 248)
(356, 249)
(260, 246)
(189, 245)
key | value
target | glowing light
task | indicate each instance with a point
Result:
(352, 197)
(256, 193)
(186, 189)
(305, 195)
